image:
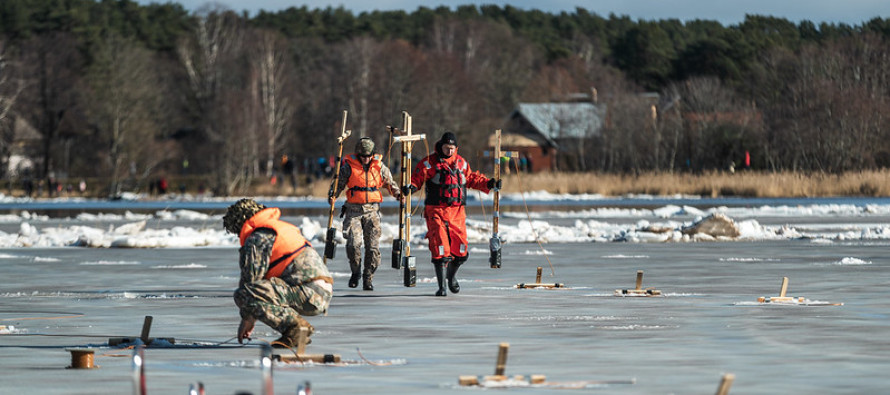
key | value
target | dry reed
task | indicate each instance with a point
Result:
(709, 184)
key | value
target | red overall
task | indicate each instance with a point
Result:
(446, 180)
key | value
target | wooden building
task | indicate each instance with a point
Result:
(541, 132)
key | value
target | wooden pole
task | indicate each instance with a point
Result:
(329, 246)
(725, 383)
(501, 365)
(538, 276)
(146, 328)
(639, 280)
(784, 287)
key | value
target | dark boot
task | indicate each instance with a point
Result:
(366, 282)
(452, 270)
(353, 280)
(439, 265)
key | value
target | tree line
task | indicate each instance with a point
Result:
(129, 93)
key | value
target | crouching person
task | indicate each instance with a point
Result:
(282, 276)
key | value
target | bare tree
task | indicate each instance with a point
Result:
(270, 81)
(50, 93)
(210, 57)
(11, 86)
(123, 102)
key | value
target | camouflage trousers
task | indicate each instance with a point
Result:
(362, 226)
(279, 301)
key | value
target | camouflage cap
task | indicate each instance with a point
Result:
(364, 147)
(239, 212)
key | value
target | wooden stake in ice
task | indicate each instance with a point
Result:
(502, 359)
(143, 338)
(638, 291)
(725, 383)
(782, 298)
(539, 284)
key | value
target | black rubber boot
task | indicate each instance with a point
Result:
(439, 264)
(453, 285)
(353, 280)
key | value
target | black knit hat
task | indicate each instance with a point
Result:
(448, 138)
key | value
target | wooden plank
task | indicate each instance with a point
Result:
(317, 358)
(638, 292)
(540, 285)
(784, 287)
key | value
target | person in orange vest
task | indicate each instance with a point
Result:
(447, 176)
(363, 175)
(282, 276)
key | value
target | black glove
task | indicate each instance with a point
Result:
(408, 189)
(494, 185)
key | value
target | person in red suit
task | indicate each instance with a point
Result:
(446, 176)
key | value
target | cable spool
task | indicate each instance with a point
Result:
(82, 359)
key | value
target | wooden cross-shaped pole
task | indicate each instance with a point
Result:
(329, 240)
(494, 243)
(401, 257)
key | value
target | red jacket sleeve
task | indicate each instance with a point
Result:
(422, 172)
(476, 180)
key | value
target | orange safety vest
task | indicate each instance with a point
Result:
(364, 186)
(288, 242)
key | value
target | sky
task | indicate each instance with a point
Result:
(727, 12)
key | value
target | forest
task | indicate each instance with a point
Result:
(123, 93)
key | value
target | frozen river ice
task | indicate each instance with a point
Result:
(404, 340)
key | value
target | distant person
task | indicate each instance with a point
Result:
(362, 176)
(282, 276)
(28, 186)
(447, 176)
(288, 172)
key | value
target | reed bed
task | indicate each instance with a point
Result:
(709, 184)
(874, 183)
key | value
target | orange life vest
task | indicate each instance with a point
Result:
(364, 186)
(288, 242)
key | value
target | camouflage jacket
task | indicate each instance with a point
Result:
(254, 262)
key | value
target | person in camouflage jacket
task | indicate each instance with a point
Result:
(363, 175)
(282, 276)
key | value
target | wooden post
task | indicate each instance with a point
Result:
(725, 383)
(402, 246)
(494, 243)
(501, 365)
(329, 247)
(538, 276)
(784, 287)
(302, 339)
(639, 280)
(146, 328)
